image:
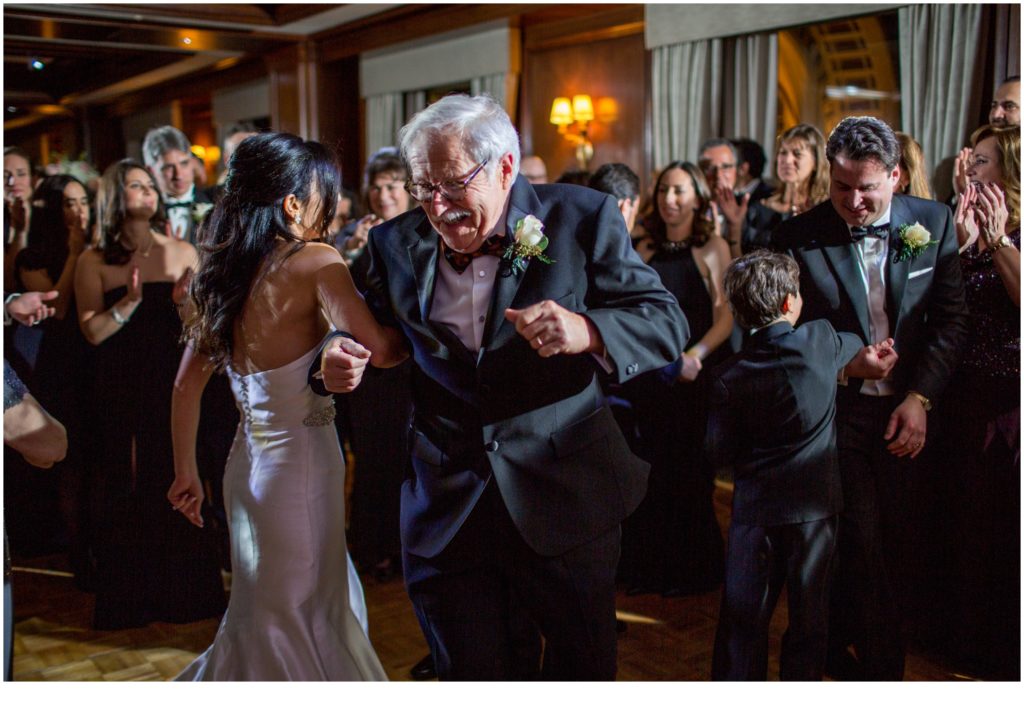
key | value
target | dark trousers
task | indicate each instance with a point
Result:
(865, 610)
(759, 560)
(464, 600)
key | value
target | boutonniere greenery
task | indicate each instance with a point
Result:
(200, 210)
(529, 241)
(914, 239)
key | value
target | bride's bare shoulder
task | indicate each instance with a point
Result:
(317, 255)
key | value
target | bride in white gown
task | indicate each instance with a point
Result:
(263, 299)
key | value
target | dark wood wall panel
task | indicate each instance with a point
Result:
(340, 126)
(610, 69)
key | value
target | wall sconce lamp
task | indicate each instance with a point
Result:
(579, 112)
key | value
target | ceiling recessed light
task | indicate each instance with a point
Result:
(186, 40)
(36, 64)
(12, 108)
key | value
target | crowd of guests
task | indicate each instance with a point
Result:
(120, 252)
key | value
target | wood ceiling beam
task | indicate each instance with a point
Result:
(407, 23)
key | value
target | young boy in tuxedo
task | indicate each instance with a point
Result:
(772, 422)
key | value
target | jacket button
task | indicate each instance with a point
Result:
(632, 368)
(491, 447)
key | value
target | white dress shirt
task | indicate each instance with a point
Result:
(461, 301)
(180, 216)
(871, 256)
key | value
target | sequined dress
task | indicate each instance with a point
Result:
(979, 441)
(296, 605)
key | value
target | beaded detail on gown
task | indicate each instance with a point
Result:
(296, 611)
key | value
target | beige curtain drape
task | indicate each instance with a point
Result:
(939, 48)
(716, 87)
(501, 86)
(384, 117)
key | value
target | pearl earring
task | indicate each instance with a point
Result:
(298, 218)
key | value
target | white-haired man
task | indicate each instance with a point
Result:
(521, 476)
(168, 155)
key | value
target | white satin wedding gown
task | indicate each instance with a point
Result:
(296, 611)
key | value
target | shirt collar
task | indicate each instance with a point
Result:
(187, 197)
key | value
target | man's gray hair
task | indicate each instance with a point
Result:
(719, 141)
(160, 140)
(480, 124)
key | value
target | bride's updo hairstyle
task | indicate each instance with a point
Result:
(245, 227)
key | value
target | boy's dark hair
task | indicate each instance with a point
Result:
(617, 180)
(864, 138)
(756, 286)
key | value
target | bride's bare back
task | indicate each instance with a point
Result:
(290, 306)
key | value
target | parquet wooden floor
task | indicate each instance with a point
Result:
(666, 639)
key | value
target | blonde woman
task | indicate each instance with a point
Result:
(802, 174)
(913, 170)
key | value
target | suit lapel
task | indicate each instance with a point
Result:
(895, 273)
(423, 254)
(523, 201)
(844, 261)
(423, 258)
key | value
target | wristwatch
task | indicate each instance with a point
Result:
(1001, 242)
(925, 401)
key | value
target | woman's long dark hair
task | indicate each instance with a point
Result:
(243, 230)
(111, 211)
(47, 246)
(703, 221)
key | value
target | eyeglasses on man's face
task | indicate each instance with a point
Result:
(451, 190)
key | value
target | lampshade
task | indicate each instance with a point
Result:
(582, 108)
(561, 111)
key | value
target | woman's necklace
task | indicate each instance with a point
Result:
(152, 242)
(675, 246)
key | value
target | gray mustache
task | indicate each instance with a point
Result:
(454, 216)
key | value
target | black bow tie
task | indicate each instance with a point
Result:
(174, 205)
(859, 232)
(494, 246)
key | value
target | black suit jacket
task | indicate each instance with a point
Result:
(538, 427)
(772, 421)
(924, 295)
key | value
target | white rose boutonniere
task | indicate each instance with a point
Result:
(200, 210)
(913, 238)
(529, 242)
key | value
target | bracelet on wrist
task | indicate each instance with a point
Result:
(925, 402)
(8, 319)
(121, 320)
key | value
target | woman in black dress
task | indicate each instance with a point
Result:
(152, 565)
(50, 357)
(673, 543)
(980, 416)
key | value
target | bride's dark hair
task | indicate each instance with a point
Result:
(244, 228)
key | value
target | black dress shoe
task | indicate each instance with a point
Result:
(424, 670)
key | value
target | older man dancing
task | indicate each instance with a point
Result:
(521, 476)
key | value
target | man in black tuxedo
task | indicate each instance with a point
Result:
(168, 155)
(878, 265)
(521, 476)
